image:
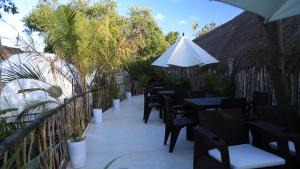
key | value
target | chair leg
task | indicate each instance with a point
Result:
(147, 114)
(174, 135)
(145, 109)
(189, 133)
(167, 133)
(160, 113)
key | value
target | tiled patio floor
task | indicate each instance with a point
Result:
(140, 146)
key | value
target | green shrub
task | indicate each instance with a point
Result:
(219, 86)
(143, 71)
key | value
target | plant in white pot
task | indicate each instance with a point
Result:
(128, 90)
(116, 96)
(97, 110)
(97, 115)
(77, 143)
(128, 95)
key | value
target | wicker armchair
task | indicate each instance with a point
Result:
(286, 119)
(222, 142)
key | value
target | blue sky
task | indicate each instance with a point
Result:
(178, 15)
(171, 15)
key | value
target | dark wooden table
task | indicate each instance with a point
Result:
(158, 87)
(166, 92)
(205, 103)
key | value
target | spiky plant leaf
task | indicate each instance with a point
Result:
(4, 111)
(111, 162)
(21, 71)
(34, 105)
(53, 91)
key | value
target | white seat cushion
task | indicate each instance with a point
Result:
(292, 147)
(246, 156)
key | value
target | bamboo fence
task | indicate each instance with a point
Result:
(42, 143)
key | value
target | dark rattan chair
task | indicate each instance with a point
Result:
(259, 99)
(287, 120)
(222, 142)
(174, 124)
(180, 95)
(150, 102)
(231, 103)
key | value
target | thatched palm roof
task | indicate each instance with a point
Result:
(244, 39)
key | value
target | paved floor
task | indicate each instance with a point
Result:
(123, 134)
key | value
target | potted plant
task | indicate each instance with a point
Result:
(77, 143)
(97, 110)
(97, 115)
(128, 90)
(116, 96)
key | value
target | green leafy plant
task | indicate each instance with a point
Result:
(143, 71)
(216, 86)
(6, 128)
(114, 89)
(29, 71)
(8, 6)
(179, 82)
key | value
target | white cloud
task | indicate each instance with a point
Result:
(160, 17)
(194, 18)
(182, 22)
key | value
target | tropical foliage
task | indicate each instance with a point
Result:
(205, 29)
(8, 6)
(172, 37)
(97, 41)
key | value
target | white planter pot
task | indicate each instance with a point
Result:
(116, 104)
(97, 115)
(128, 95)
(77, 153)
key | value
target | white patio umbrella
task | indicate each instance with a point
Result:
(271, 10)
(184, 53)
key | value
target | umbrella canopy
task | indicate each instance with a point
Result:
(271, 10)
(184, 53)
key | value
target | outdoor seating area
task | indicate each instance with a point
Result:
(170, 84)
(195, 131)
(230, 132)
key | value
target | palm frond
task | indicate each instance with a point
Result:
(34, 105)
(63, 37)
(53, 91)
(22, 71)
(4, 111)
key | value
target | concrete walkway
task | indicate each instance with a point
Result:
(140, 146)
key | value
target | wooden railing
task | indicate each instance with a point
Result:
(41, 143)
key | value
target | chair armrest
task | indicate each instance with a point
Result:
(203, 135)
(210, 137)
(271, 132)
(268, 128)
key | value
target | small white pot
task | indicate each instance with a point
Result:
(77, 153)
(128, 95)
(97, 114)
(116, 104)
